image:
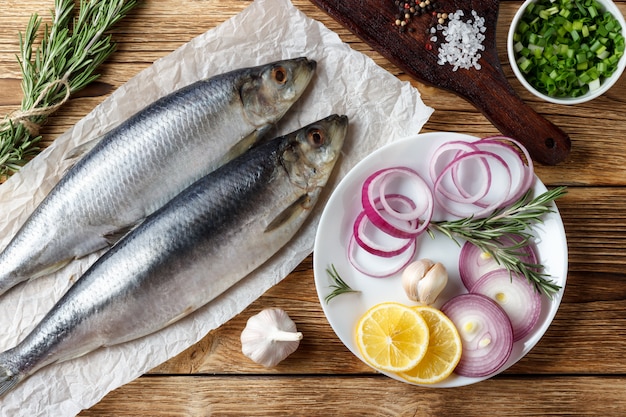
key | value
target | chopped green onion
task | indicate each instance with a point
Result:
(566, 48)
(585, 31)
(595, 46)
(577, 25)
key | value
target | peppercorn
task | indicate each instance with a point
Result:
(407, 9)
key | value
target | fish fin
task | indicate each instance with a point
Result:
(112, 237)
(294, 210)
(75, 154)
(80, 150)
(262, 135)
(243, 145)
(8, 379)
(187, 311)
(51, 268)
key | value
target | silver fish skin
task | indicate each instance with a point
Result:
(202, 242)
(140, 165)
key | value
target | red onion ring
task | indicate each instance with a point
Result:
(460, 147)
(486, 334)
(396, 214)
(520, 174)
(389, 266)
(473, 263)
(374, 189)
(364, 241)
(517, 297)
(389, 223)
(446, 203)
(526, 170)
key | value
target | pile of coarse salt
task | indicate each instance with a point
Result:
(463, 40)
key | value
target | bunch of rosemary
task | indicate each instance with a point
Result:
(71, 49)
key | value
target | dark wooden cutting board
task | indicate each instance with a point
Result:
(486, 88)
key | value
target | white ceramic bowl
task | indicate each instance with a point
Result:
(335, 227)
(606, 83)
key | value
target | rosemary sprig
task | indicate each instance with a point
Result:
(71, 49)
(514, 221)
(339, 286)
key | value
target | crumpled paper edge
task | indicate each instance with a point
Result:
(380, 108)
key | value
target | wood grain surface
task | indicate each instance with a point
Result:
(578, 367)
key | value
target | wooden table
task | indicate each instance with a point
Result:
(578, 368)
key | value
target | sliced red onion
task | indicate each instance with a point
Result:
(517, 144)
(465, 209)
(488, 156)
(525, 169)
(486, 334)
(460, 195)
(377, 266)
(474, 263)
(379, 244)
(389, 223)
(375, 190)
(517, 297)
(406, 211)
(398, 220)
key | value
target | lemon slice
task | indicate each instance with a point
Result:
(444, 349)
(392, 337)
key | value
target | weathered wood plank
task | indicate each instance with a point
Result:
(362, 396)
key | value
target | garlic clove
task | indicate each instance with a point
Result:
(424, 280)
(269, 337)
(411, 276)
(429, 287)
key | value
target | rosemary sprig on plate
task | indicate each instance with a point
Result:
(515, 221)
(339, 286)
(71, 49)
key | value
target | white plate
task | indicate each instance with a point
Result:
(335, 228)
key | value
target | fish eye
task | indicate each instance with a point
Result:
(279, 74)
(315, 137)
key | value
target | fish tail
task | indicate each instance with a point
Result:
(8, 378)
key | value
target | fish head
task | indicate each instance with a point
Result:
(273, 88)
(308, 157)
(313, 151)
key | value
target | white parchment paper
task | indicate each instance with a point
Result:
(380, 108)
